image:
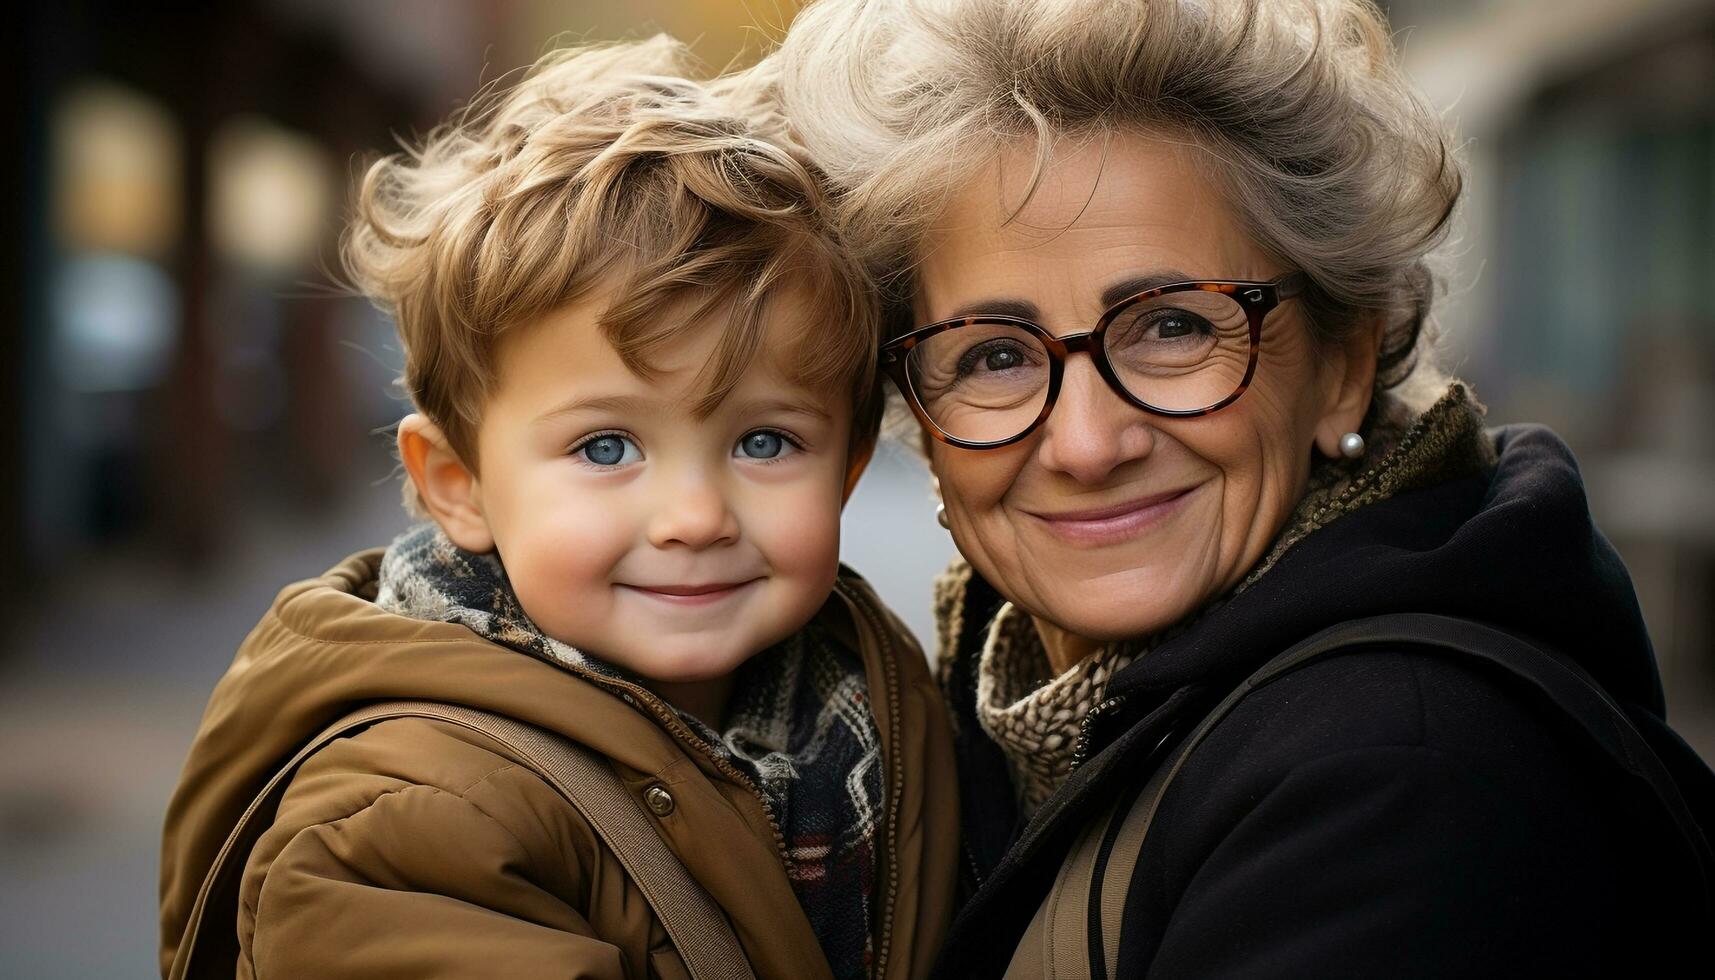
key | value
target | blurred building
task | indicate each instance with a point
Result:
(1583, 277)
(181, 346)
(180, 359)
(180, 352)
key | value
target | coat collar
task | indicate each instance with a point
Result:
(1036, 719)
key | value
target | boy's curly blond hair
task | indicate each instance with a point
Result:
(608, 166)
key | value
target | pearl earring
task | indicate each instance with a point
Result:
(941, 516)
(1351, 445)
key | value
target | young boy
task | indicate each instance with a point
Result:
(644, 376)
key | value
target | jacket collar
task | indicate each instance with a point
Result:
(1511, 544)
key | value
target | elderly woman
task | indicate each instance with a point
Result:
(1160, 300)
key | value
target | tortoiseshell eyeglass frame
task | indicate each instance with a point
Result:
(1257, 299)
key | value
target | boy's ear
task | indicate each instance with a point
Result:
(446, 487)
(1350, 385)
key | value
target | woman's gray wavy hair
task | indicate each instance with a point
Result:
(1322, 147)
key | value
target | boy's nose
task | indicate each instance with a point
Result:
(692, 514)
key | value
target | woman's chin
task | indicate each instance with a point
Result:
(1108, 612)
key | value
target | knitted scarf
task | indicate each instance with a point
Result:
(798, 725)
(1035, 716)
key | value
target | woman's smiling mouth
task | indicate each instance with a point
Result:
(1108, 525)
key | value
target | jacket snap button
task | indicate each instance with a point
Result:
(660, 801)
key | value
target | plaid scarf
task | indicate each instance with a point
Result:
(798, 725)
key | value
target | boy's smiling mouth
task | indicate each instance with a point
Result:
(691, 595)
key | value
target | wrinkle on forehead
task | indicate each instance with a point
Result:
(1103, 211)
(1074, 177)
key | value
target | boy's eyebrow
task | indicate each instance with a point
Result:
(631, 404)
(800, 407)
(606, 403)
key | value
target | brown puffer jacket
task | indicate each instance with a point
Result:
(417, 848)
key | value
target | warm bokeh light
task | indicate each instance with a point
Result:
(271, 195)
(116, 171)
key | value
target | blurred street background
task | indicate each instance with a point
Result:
(192, 418)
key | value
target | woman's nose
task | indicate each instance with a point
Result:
(1091, 431)
(692, 512)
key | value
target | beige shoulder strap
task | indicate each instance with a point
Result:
(1062, 940)
(1056, 945)
(698, 929)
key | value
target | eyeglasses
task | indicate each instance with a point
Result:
(1180, 350)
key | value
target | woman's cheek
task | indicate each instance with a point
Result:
(973, 488)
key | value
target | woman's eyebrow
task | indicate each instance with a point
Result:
(1021, 308)
(1132, 285)
(1026, 310)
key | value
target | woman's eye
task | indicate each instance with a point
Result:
(764, 444)
(993, 356)
(1175, 325)
(610, 451)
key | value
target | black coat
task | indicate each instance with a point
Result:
(1376, 814)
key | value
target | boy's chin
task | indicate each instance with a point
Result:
(694, 666)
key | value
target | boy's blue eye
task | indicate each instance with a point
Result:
(763, 444)
(610, 450)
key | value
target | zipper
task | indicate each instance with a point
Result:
(1086, 728)
(971, 861)
(896, 776)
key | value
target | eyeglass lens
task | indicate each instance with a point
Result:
(987, 382)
